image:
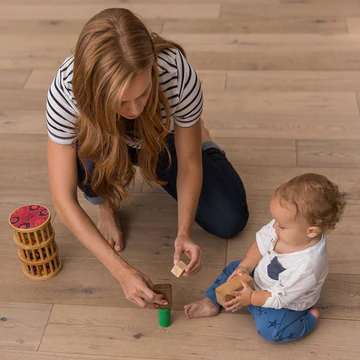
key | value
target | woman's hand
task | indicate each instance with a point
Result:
(185, 245)
(240, 270)
(137, 288)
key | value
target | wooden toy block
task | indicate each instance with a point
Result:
(165, 290)
(232, 285)
(179, 268)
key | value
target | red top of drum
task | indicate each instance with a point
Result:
(29, 217)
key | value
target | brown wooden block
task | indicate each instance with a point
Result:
(232, 285)
(179, 268)
(165, 290)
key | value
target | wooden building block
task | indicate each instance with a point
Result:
(165, 290)
(232, 285)
(179, 268)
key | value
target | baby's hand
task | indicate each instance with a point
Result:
(235, 303)
(238, 271)
(242, 298)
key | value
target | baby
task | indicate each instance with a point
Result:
(288, 260)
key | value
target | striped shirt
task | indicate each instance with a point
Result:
(177, 79)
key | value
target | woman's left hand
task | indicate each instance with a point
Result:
(185, 245)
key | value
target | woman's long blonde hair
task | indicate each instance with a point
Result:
(112, 48)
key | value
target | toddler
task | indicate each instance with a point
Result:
(288, 261)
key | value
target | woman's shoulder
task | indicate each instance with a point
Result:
(168, 60)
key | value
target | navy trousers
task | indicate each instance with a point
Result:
(222, 208)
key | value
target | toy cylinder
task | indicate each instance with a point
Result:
(35, 239)
(164, 317)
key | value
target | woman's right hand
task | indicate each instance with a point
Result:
(137, 288)
(238, 271)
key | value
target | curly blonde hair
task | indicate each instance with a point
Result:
(315, 198)
(112, 48)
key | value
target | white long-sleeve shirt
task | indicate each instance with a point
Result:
(294, 279)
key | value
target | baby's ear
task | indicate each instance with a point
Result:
(313, 231)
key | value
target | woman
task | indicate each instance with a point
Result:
(129, 97)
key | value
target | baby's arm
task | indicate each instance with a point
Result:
(245, 297)
(251, 260)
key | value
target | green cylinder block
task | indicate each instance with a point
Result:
(164, 317)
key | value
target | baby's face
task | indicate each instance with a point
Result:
(289, 229)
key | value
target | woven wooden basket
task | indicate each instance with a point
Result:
(35, 238)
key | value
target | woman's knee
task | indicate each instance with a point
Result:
(228, 224)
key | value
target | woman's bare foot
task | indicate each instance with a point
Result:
(110, 227)
(315, 312)
(201, 308)
(205, 135)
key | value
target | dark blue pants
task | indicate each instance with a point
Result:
(273, 325)
(222, 208)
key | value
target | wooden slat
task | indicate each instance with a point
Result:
(327, 81)
(353, 25)
(33, 27)
(37, 355)
(13, 79)
(328, 153)
(83, 325)
(294, 59)
(23, 122)
(22, 324)
(283, 126)
(259, 25)
(246, 43)
(262, 152)
(304, 103)
(253, 177)
(83, 11)
(290, 8)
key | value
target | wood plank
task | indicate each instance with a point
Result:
(253, 177)
(344, 251)
(282, 126)
(22, 324)
(269, 59)
(353, 24)
(328, 153)
(32, 355)
(23, 99)
(83, 11)
(291, 8)
(248, 43)
(307, 103)
(260, 25)
(22, 122)
(13, 79)
(55, 27)
(260, 152)
(83, 325)
(327, 81)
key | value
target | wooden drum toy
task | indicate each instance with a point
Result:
(35, 238)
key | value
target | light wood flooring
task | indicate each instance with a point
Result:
(281, 84)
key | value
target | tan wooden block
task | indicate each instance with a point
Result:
(232, 285)
(165, 290)
(179, 268)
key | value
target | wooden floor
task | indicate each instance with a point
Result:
(282, 96)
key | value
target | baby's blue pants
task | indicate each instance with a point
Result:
(273, 325)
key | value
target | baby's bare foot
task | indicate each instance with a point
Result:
(315, 312)
(201, 308)
(110, 227)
